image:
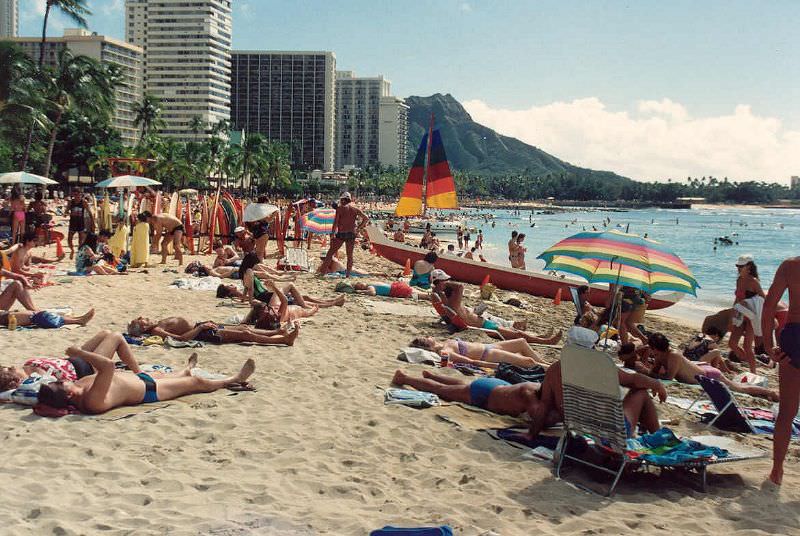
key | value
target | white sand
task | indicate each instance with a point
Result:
(315, 451)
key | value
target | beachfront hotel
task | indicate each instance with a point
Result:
(107, 50)
(187, 54)
(9, 18)
(287, 96)
(371, 124)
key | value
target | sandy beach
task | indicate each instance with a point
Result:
(315, 451)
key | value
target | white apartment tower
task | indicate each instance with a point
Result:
(9, 18)
(371, 125)
(187, 58)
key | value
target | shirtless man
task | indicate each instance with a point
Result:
(305, 301)
(451, 294)
(109, 388)
(15, 288)
(671, 365)
(226, 255)
(181, 329)
(346, 226)
(787, 355)
(44, 319)
(21, 258)
(173, 232)
(513, 351)
(243, 240)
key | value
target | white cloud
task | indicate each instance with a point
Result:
(466, 7)
(33, 10)
(112, 7)
(246, 8)
(659, 140)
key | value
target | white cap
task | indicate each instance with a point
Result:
(439, 275)
(346, 195)
(239, 229)
(744, 260)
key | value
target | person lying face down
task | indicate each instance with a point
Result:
(109, 388)
(181, 329)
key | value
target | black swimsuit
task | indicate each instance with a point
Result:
(82, 368)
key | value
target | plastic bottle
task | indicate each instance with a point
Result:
(12, 322)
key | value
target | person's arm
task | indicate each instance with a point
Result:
(640, 381)
(779, 285)
(335, 227)
(249, 286)
(19, 277)
(95, 399)
(188, 336)
(364, 219)
(655, 370)
(88, 209)
(281, 296)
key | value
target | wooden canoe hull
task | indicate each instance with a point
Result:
(470, 271)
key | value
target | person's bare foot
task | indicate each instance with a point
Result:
(554, 338)
(86, 317)
(292, 336)
(339, 301)
(247, 370)
(776, 476)
(192, 361)
(399, 377)
(428, 374)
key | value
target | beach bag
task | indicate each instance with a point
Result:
(27, 393)
(514, 374)
(419, 356)
(47, 320)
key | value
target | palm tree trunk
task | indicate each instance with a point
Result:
(51, 145)
(27, 152)
(44, 35)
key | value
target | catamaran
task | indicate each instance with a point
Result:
(430, 184)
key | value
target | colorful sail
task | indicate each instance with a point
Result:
(410, 203)
(441, 189)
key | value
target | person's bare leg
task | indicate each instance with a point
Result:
(82, 319)
(349, 246)
(448, 392)
(789, 385)
(640, 409)
(230, 336)
(633, 329)
(298, 298)
(623, 327)
(335, 302)
(512, 333)
(447, 380)
(108, 343)
(752, 390)
(517, 346)
(92, 344)
(178, 246)
(261, 247)
(16, 292)
(336, 243)
(714, 358)
(749, 341)
(295, 312)
(164, 242)
(503, 356)
(462, 359)
(70, 236)
(169, 388)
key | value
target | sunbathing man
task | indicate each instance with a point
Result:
(70, 369)
(452, 294)
(45, 319)
(109, 388)
(513, 351)
(395, 289)
(226, 255)
(21, 258)
(335, 266)
(705, 348)
(232, 272)
(181, 329)
(173, 232)
(670, 365)
(14, 288)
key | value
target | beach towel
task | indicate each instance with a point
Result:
(515, 436)
(197, 283)
(444, 530)
(514, 374)
(581, 336)
(664, 448)
(27, 392)
(175, 343)
(414, 399)
(751, 379)
(419, 356)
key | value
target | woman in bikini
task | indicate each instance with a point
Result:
(521, 251)
(750, 297)
(512, 249)
(17, 206)
(513, 351)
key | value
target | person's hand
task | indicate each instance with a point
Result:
(22, 279)
(208, 325)
(660, 391)
(73, 351)
(776, 354)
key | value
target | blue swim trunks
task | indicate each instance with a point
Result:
(790, 343)
(382, 289)
(480, 389)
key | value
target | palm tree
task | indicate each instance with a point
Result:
(197, 125)
(148, 115)
(78, 81)
(75, 10)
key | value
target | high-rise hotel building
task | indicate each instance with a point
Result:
(371, 124)
(9, 18)
(288, 97)
(127, 57)
(187, 56)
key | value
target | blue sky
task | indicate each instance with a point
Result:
(678, 74)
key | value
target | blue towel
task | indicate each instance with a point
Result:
(671, 450)
(444, 530)
(137, 341)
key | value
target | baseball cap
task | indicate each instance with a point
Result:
(744, 259)
(439, 275)
(346, 195)
(238, 229)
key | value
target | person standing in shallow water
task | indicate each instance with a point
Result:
(787, 355)
(346, 226)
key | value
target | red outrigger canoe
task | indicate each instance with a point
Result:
(470, 271)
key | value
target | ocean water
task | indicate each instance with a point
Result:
(770, 235)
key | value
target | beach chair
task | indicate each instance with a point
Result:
(454, 322)
(295, 259)
(730, 416)
(593, 407)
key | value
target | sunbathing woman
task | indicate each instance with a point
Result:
(109, 388)
(293, 295)
(395, 289)
(232, 272)
(45, 319)
(513, 351)
(182, 330)
(70, 369)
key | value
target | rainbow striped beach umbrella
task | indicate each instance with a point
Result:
(629, 253)
(600, 271)
(319, 221)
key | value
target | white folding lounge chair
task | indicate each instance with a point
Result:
(296, 259)
(593, 407)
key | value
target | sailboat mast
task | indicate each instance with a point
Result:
(427, 168)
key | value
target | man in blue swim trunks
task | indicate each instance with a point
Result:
(110, 388)
(787, 355)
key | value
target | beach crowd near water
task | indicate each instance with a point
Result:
(299, 339)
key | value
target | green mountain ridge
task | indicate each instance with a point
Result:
(474, 148)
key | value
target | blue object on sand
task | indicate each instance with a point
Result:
(444, 530)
